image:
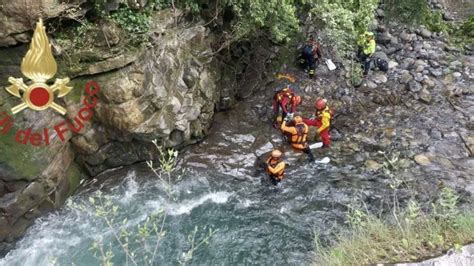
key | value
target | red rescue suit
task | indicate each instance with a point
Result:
(322, 123)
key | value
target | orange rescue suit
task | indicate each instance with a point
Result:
(299, 135)
(276, 168)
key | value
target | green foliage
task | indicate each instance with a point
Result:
(167, 165)
(406, 11)
(445, 206)
(356, 217)
(467, 28)
(279, 17)
(132, 21)
(344, 20)
(433, 20)
(410, 236)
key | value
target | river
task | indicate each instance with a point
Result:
(219, 188)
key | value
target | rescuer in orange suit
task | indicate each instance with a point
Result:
(276, 167)
(299, 135)
(322, 121)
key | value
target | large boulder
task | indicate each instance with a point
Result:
(168, 93)
(17, 18)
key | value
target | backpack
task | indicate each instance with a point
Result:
(308, 49)
(382, 64)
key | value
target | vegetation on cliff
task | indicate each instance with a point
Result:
(408, 234)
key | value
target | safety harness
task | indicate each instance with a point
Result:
(300, 131)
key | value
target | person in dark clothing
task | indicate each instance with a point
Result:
(310, 55)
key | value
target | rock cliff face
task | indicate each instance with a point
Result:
(165, 91)
(169, 93)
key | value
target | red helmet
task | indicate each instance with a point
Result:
(320, 104)
(297, 100)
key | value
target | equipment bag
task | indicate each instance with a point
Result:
(382, 64)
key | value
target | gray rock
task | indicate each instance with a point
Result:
(447, 16)
(422, 160)
(425, 96)
(381, 55)
(406, 77)
(434, 63)
(424, 55)
(392, 64)
(394, 41)
(380, 13)
(419, 77)
(428, 82)
(454, 49)
(425, 33)
(372, 165)
(455, 64)
(420, 63)
(436, 133)
(18, 203)
(371, 85)
(413, 86)
(384, 38)
(457, 75)
(420, 68)
(381, 28)
(453, 257)
(17, 18)
(436, 72)
(407, 63)
(405, 37)
(379, 78)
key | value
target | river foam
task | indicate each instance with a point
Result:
(186, 206)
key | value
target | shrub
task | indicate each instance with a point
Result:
(406, 11)
(344, 20)
(410, 235)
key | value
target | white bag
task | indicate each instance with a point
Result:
(330, 64)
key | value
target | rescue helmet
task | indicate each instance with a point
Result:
(369, 34)
(276, 153)
(298, 119)
(320, 104)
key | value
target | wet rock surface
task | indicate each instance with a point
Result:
(419, 112)
(463, 257)
(168, 92)
(139, 103)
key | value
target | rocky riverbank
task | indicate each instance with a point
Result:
(165, 91)
(419, 113)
